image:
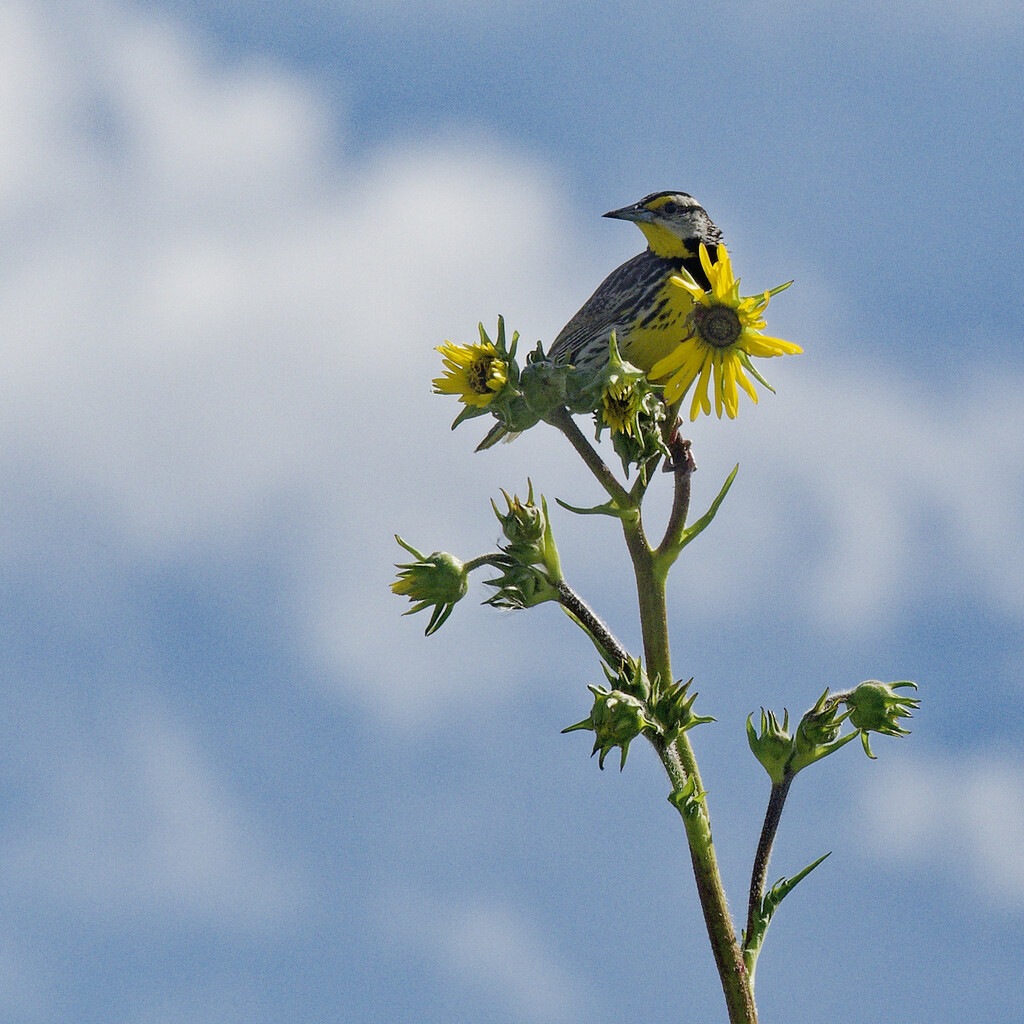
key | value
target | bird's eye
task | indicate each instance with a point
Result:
(670, 207)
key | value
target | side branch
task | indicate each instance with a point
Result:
(683, 467)
(614, 653)
(772, 817)
(562, 419)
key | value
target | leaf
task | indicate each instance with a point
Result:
(609, 508)
(705, 520)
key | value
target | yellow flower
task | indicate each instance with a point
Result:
(620, 403)
(476, 373)
(725, 331)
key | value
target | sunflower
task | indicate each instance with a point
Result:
(724, 332)
(476, 373)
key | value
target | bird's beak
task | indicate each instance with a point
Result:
(634, 213)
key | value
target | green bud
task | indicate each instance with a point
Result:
(817, 735)
(674, 710)
(524, 522)
(774, 747)
(519, 586)
(543, 384)
(438, 580)
(616, 719)
(876, 707)
(822, 723)
(527, 528)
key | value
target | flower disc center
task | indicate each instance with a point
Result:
(478, 374)
(718, 325)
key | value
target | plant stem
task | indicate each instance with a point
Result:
(772, 817)
(561, 419)
(683, 468)
(677, 757)
(612, 651)
(681, 766)
(494, 558)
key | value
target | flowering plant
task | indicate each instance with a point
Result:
(643, 697)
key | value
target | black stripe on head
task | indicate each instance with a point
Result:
(670, 192)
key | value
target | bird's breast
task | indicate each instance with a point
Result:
(659, 327)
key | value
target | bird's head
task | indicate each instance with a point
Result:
(674, 222)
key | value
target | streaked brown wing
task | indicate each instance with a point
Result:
(621, 296)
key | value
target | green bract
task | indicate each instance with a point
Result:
(527, 528)
(774, 746)
(616, 719)
(876, 707)
(519, 586)
(438, 580)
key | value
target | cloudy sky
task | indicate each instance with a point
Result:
(238, 786)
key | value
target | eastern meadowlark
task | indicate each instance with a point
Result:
(648, 316)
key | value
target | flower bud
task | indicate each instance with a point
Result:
(519, 586)
(543, 385)
(616, 719)
(439, 580)
(774, 746)
(528, 530)
(524, 523)
(817, 735)
(674, 710)
(876, 707)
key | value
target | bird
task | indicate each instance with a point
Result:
(635, 301)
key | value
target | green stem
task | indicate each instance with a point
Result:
(681, 765)
(561, 419)
(772, 817)
(677, 757)
(494, 558)
(682, 467)
(611, 650)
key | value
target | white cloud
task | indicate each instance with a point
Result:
(200, 309)
(964, 817)
(490, 948)
(878, 495)
(207, 314)
(129, 820)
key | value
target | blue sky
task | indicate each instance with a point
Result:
(238, 786)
